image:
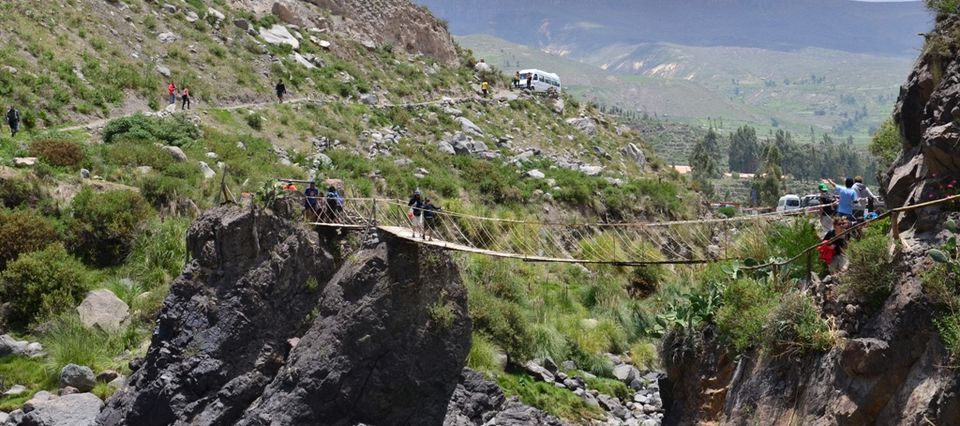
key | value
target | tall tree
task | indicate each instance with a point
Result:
(744, 150)
(769, 181)
(704, 162)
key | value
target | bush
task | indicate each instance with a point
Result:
(132, 153)
(255, 121)
(746, 306)
(727, 211)
(871, 275)
(23, 231)
(102, 226)
(158, 254)
(482, 356)
(949, 328)
(42, 283)
(58, 152)
(795, 327)
(176, 130)
(547, 397)
(67, 341)
(161, 190)
(19, 192)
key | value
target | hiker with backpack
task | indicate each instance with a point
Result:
(485, 88)
(866, 201)
(13, 120)
(185, 98)
(281, 90)
(415, 214)
(334, 208)
(833, 253)
(430, 219)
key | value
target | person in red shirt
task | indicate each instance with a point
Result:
(172, 91)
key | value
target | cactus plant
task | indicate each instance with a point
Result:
(939, 256)
(952, 226)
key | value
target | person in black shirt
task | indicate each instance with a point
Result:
(281, 90)
(430, 218)
(416, 205)
(839, 262)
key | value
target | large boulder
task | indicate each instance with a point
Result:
(45, 409)
(584, 125)
(104, 310)
(77, 376)
(264, 326)
(278, 35)
(11, 346)
(469, 127)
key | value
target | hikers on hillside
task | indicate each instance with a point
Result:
(311, 210)
(185, 98)
(865, 197)
(172, 91)
(290, 186)
(415, 214)
(485, 88)
(847, 197)
(832, 254)
(13, 120)
(827, 209)
(334, 208)
(281, 90)
(430, 218)
(516, 80)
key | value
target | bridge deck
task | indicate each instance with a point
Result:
(407, 234)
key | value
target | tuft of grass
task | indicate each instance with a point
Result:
(747, 305)
(482, 356)
(559, 402)
(29, 372)
(871, 275)
(795, 327)
(68, 341)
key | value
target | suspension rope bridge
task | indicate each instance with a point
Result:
(622, 244)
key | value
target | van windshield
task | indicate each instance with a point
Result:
(793, 202)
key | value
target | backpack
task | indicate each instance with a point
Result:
(826, 252)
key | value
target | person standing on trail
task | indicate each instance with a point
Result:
(415, 214)
(847, 197)
(827, 209)
(430, 218)
(865, 197)
(13, 120)
(172, 92)
(530, 81)
(485, 88)
(516, 80)
(281, 90)
(185, 98)
(313, 199)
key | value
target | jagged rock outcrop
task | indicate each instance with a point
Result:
(892, 367)
(264, 327)
(477, 401)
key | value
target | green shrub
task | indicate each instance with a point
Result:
(175, 130)
(886, 144)
(871, 275)
(559, 402)
(943, 6)
(727, 211)
(482, 356)
(102, 226)
(23, 231)
(158, 253)
(58, 152)
(255, 121)
(19, 192)
(67, 341)
(133, 153)
(161, 190)
(746, 307)
(949, 328)
(795, 326)
(42, 283)
(609, 387)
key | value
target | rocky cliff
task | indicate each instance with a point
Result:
(399, 23)
(265, 326)
(887, 367)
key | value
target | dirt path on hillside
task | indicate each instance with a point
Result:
(100, 123)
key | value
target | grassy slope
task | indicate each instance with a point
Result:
(694, 83)
(546, 303)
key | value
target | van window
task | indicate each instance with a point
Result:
(793, 202)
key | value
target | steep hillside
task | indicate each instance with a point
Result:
(98, 194)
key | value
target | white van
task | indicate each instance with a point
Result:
(541, 81)
(788, 203)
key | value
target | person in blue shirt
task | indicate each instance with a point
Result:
(847, 196)
(313, 194)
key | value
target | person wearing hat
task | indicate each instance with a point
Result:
(827, 209)
(415, 214)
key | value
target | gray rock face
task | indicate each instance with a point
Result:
(626, 373)
(469, 127)
(584, 125)
(633, 152)
(80, 377)
(11, 346)
(104, 310)
(45, 409)
(371, 346)
(177, 153)
(369, 99)
(277, 35)
(477, 401)
(167, 37)
(208, 173)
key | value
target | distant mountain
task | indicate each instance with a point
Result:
(578, 28)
